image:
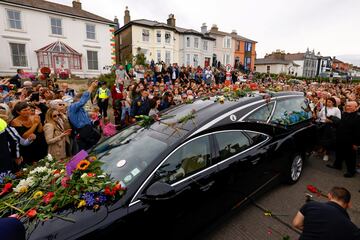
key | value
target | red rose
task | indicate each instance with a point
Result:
(31, 213)
(47, 198)
(7, 188)
(109, 192)
(91, 174)
(312, 189)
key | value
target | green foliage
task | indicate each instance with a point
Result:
(108, 78)
(140, 59)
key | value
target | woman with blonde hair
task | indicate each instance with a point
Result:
(55, 134)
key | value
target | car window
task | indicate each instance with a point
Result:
(124, 157)
(291, 111)
(231, 143)
(262, 114)
(256, 137)
(185, 161)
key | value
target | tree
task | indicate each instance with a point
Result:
(140, 59)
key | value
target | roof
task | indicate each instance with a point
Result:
(238, 37)
(156, 24)
(57, 8)
(294, 56)
(263, 61)
(59, 47)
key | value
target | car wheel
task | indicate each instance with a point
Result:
(294, 171)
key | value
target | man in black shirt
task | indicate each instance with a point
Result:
(327, 221)
(16, 80)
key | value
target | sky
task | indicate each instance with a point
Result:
(330, 27)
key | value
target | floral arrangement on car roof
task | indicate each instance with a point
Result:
(43, 190)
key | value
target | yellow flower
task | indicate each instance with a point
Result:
(83, 165)
(23, 189)
(81, 204)
(38, 194)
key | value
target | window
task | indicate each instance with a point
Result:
(205, 45)
(196, 60)
(158, 54)
(248, 46)
(14, 19)
(226, 58)
(187, 41)
(247, 63)
(227, 42)
(167, 57)
(167, 37)
(145, 35)
(268, 69)
(290, 111)
(196, 42)
(238, 45)
(56, 28)
(188, 60)
(231, 143)
(18, 55)
(92, 57)
(262, 114)
(90, 31)
(187, 160)
(158, 36)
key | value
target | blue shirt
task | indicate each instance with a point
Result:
(77, 114)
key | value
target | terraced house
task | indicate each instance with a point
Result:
(38, 33)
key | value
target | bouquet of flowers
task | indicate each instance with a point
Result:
(42, 190)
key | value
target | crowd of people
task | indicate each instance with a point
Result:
(52, 118)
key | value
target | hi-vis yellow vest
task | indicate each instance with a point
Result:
(3, 125)
(103, 93)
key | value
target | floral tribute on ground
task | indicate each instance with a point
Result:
(44, 190)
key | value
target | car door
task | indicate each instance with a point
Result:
(242, 164)
(190, 171)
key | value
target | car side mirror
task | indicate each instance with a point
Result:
(159, 191)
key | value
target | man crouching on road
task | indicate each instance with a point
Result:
(327, 221)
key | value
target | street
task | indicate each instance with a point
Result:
(283, 202)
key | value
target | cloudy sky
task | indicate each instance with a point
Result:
(330, 27)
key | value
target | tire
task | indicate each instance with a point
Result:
(294, 169)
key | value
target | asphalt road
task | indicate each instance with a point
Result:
(250, 222)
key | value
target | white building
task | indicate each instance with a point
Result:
(276, 66)
(162, 42)
(224, 47)
(196, 49)
(38, 33)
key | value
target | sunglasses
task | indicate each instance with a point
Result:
(61, 104)
(56, 115)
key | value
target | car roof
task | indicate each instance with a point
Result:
(206, 113)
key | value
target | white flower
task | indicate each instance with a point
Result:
(47, 164)
(24, 184)
(49, 157)
(56, 175)
(101, 176)
(84, 175)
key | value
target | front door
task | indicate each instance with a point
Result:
(207, 62)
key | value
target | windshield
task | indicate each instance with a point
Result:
(127, 154)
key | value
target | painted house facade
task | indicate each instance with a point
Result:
(38, 33)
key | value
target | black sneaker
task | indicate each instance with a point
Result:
(349, 175)
(332, 166)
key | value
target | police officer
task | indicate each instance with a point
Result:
(103, 94)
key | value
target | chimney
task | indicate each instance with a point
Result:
(233, 33)
(203, 28)
(171, 20)
(76, 4)
(214, 28)
(116, 21)
(126, 16)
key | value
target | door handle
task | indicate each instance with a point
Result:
(255, 161)
(207, 186)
